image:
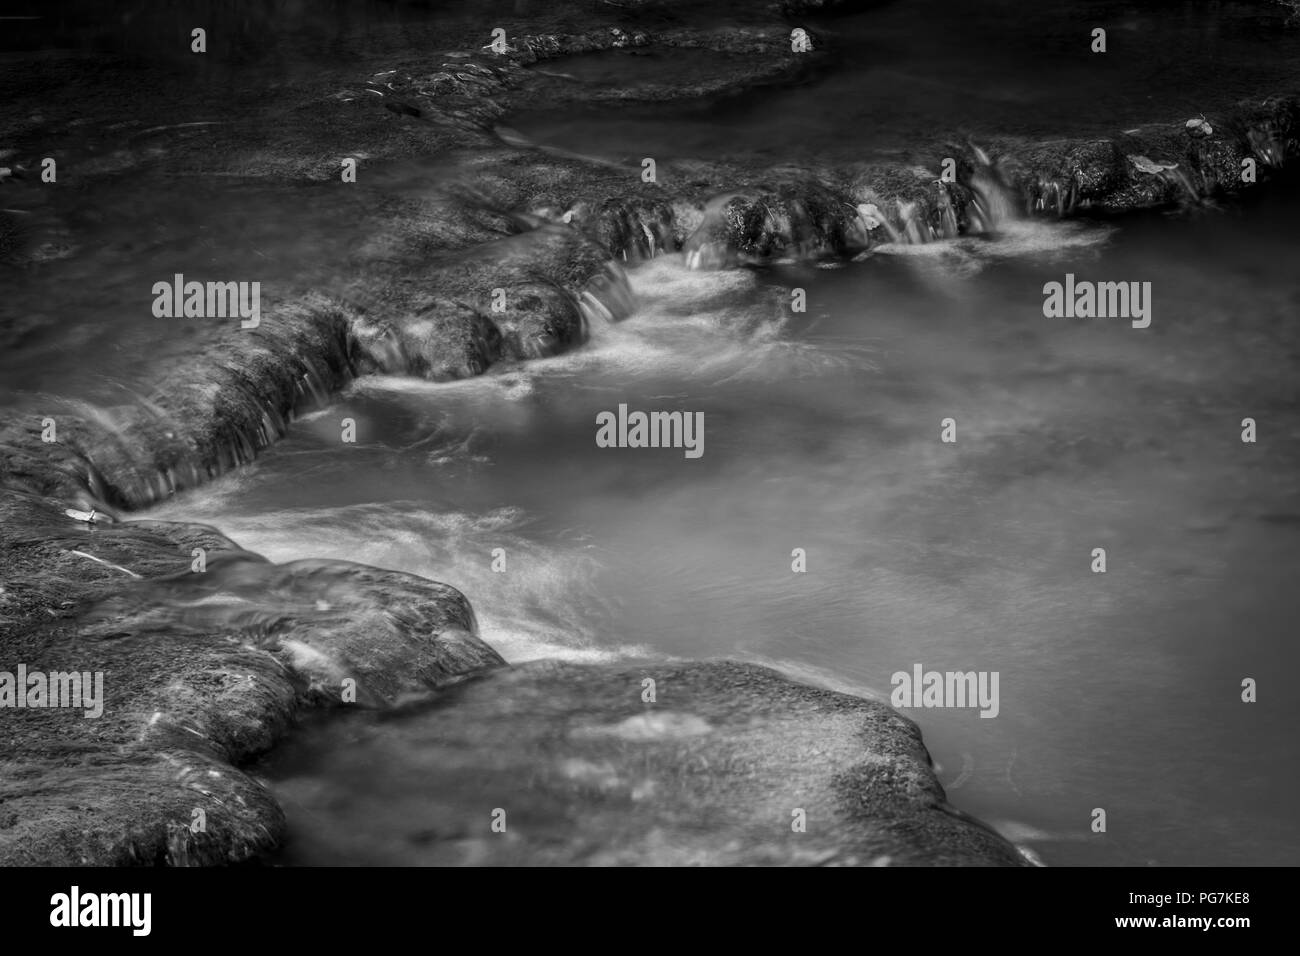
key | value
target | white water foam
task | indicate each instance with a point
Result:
(704, 327)
(1015, 239)
(512, 385)
(547, 603)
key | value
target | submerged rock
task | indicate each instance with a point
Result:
(733, 764)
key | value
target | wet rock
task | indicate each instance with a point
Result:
(201, 672)
(211, 412)
(634, 229)
(440, 340)
(1058, 177)
(532, 48)
(804, 220)
(714, 772)
(519, 296)
(538, 320)
(1178, 162)
(1271, 127)
(762, 39)
(523, 296)
(813, 212)
(908, 203)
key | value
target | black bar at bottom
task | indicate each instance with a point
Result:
(335, 906)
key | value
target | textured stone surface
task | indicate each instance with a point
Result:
(587, 773)
(201, 672)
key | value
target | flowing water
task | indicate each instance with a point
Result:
(822, 432)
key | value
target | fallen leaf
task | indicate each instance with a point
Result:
(1150, 166)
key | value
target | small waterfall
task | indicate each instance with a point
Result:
(1265, 144)
(947, 214)
(606, 298)
(914, 226)
(1193, 195)
(1051, 196)
(632, 231)
(916, 230)
(993, 201)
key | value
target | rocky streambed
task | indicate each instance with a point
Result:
(496, 251)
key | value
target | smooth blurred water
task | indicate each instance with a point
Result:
(1118, 691)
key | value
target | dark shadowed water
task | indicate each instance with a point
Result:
(905, 77)
(822, 432)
